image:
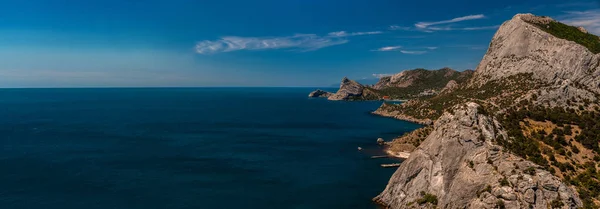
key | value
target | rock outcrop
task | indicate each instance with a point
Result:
(320, 93)
(352, 90)
(459, 165)
(520, 47)
(450, 86)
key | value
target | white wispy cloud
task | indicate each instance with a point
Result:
(381, 75)
(388, 48)
(589, 19)
(412, 52)
(302, 42)
(442, 25)
(397, 27)
(398, 48)
(346, 34)
(425, 25)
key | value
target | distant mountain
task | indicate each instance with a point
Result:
(363, 81)
(420, 82)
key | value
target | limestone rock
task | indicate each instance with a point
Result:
(349, 90)
(380, 141)
(450, 86)
(453, 163)
(319, 93)
(520, 47)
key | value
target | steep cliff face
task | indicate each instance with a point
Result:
(459, 166)
(520, 46)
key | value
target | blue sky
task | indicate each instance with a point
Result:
(117, 43)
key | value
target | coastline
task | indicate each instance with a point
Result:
(399, 116)
(401, 155)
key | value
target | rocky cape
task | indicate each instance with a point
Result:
(352, 90)
(320, 93)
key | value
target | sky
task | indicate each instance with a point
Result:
(280, 43)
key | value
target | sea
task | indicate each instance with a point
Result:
(189, 148)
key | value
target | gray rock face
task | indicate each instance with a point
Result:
(520, 47)
(450, 86)
(458, 161)
(320, 93)
(348, 89)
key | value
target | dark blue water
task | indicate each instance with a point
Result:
(188, 148)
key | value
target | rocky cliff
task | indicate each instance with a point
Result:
(352, 90)
(459, 166)
(520, 46)
(505, 138)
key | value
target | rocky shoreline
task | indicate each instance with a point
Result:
(399, 116)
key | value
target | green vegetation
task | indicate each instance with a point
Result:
(487, 189)
(556, 204)
(427, 198)
(531, 147)
(500, 204)
(530, 171)
(501, 93)
(571, 33)
(504, 182)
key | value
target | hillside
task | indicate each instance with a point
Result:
(408, 84)
(530, 111)
(420, 82)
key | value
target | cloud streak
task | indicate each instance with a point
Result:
(381, 75)
(401, 50)
(346, 34)
(412, 52)
(301, 42)
(425, 25)
(441, 25)
(388, 48)
(589, 19)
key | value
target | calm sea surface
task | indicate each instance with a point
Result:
(194, 148)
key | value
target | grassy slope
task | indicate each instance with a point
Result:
(571, 33)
